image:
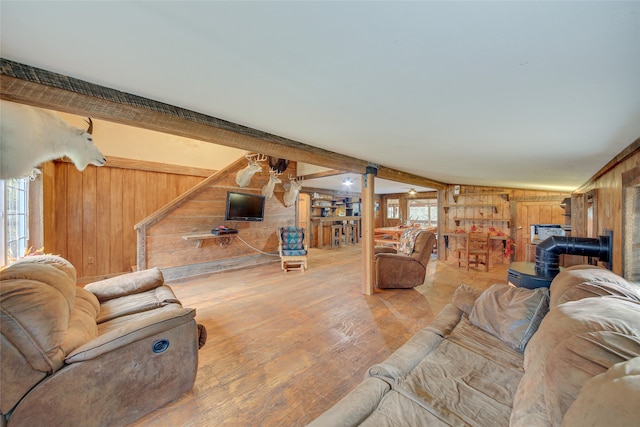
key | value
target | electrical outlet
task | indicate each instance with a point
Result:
(90, 260)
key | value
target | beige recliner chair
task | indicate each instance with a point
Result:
(106, 354)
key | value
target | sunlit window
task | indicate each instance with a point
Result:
(393, 208)
(14, 195)
(423, 211)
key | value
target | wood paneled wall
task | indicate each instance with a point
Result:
(204, 210)
(533, 207)
(608, 190)
(90, 215)
(510, 211)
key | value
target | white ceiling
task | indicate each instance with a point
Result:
(517, 94)
(381, 186)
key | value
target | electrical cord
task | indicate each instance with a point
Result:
(255, 249)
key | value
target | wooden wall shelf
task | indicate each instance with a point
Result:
(225, 240)
(458, 220)
(503, 194)
(333, 204)
(462, 205)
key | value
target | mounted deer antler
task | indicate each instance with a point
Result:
(243, 177)
(291, 195)
(267, 190)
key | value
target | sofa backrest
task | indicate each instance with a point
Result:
(593, 324)
(423, 248)
(41, 321)
(584, 281)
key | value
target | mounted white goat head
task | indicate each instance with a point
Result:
(291, 195)
(267, 190)
(30, 136)
(243, 177)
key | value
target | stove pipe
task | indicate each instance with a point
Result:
(549, 250)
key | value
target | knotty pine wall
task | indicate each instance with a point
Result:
(608, 191)
(514, 212)
(165, 247)
(90, 215)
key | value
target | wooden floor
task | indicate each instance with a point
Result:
(284, 347)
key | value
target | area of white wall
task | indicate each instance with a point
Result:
(129, 142)
(308, 169)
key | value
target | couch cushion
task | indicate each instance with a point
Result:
(53, 260)
(126, 284)
(405, 358)
(585, 281)
(82, 321)
(469, 379)
(36, 301)
(136, 303)
(606, 399)
(511, 314)
(125, 330)
(576, 341)
(395, 410)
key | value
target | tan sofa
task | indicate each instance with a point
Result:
(580, 366)
(105, 354)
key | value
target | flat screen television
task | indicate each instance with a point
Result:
(244, 207)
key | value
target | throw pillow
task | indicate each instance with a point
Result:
(511, 314)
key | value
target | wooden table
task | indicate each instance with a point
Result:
(388, 236)
(503, 238)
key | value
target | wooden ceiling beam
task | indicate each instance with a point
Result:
(408, 178)
(45, 89)
(324, 174)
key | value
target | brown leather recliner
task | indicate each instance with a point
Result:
(396, 269)
(106, 354)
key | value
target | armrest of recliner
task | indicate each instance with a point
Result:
(384, 250)
(123, 331)
(397, 269)
(384, 259)
(126, 284)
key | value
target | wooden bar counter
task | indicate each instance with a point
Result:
(319, 222)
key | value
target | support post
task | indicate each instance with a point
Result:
(368, 219)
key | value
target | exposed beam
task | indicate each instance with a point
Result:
(399, 176)
(42, 88)
(324, 174)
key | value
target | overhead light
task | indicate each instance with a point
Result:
(412, 191)
(347, 182)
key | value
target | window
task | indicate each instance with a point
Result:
(393, 208)
(423, 211)
(14, 199)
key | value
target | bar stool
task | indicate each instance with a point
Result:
(336, 236)
(350, 233)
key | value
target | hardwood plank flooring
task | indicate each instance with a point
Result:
(284, 347)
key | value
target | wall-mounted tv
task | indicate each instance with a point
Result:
(244, 207)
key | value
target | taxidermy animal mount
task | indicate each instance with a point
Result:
(243, 177)
(291, 195)
(30, 136)
(267, 190)
(280, 165)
